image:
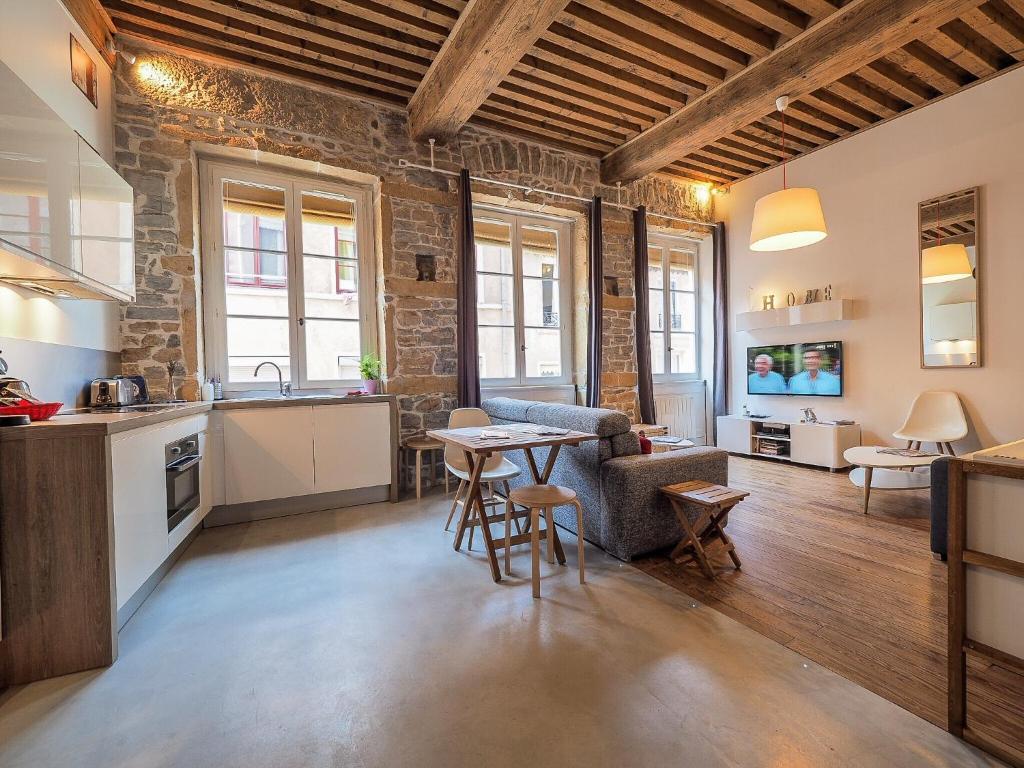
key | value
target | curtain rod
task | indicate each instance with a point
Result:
(403, 163)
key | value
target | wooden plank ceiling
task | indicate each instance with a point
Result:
(605, 71)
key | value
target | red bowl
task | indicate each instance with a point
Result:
(35, 411)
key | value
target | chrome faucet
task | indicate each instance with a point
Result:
(285, 386)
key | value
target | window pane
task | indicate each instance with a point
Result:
(540, 252)
(253, 340)
(497, 353)
(657, 353)
(684, 353)
(249, 293)
(253, 216)
(684, 311)
(494, 297)
(681, 266)
(543, 352)
(331, 288)
(654, 269)
(493, 246)
(540, 303)
(332, 349)
(656, 309)
(326, 220)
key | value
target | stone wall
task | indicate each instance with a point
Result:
(166, 104)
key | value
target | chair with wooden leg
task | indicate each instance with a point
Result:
(935, 417)
(542, 499)
(497, 469)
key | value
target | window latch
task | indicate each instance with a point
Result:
(302, 321)
(522, 348)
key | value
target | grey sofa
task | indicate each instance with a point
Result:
(624, 513)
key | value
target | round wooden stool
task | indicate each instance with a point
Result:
(419, 444)
(543, 498)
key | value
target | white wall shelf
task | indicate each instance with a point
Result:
(801, 314)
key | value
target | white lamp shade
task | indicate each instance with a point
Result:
(945, 263)
(789, 218)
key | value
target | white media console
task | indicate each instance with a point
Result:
(820, 445)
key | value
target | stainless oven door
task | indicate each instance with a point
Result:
(182, 489)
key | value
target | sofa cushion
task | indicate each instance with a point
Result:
(599, 421)
(507, 408)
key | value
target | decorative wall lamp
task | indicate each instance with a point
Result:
(790, 218)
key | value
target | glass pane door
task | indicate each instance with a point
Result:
(256, 281)
(329, 304)
(495, 299)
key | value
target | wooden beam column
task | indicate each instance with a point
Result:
(488, 40)
(864, 30)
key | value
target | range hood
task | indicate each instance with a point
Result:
(66, 217)
(20, 266)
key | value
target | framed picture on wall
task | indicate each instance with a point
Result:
(83, 72)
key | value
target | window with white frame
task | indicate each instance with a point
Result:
(288, 277)
(672, 303)
(523, 298)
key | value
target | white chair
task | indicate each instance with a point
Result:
(935, 417)
(497, 469)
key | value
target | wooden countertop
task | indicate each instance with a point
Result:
(83, 423)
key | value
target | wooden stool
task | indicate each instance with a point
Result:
(419, 444)
(714, 503)
(542, 498)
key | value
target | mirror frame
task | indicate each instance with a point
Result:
(976, 191)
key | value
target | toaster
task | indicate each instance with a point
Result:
(112, 392)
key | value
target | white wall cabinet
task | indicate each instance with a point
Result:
(352, 446)
(268, 453)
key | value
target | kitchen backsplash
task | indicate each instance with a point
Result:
(58, 373)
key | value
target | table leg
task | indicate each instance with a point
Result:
(476, 468)
(867, 487)
(549, 464)
(485, 527)
(694, 540)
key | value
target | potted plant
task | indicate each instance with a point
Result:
(369, 369)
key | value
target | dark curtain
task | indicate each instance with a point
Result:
(468, 370)
(595, 282)
(645, 379)
(721, 280)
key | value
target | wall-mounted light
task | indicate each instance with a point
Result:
(703, 193)
(113, 50)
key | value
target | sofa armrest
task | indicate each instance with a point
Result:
(636, 517)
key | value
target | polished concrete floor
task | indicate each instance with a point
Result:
(359, 638)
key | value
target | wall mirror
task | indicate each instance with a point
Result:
(948, 255)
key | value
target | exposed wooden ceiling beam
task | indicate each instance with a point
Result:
(862, 31)
(95, 22)
(488, 40)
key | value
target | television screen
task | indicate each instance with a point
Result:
(796, 369)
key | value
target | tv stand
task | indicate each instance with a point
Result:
(819, 445)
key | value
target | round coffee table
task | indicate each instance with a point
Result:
(890, 476)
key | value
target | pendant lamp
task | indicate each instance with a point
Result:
(790, 218)
(944, 263)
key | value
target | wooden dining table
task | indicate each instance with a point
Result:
(477, 449)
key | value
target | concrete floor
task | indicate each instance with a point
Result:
(359, 638)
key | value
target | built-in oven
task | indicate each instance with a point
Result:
(182, 459)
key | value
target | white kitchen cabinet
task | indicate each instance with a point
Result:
(268, 453)
(139, 483)
(352, 446)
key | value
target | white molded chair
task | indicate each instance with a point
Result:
(497, 469)
(935, 417)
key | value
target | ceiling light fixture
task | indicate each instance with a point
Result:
(944, 263)
(790, 218)
(113, 50)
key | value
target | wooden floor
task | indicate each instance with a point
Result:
(860, 595)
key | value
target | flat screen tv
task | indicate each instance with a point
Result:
(814, 369)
